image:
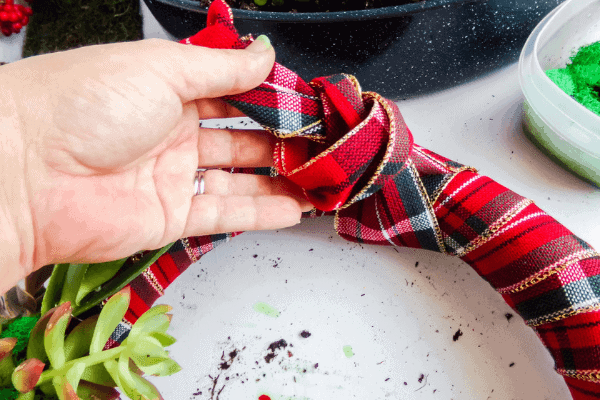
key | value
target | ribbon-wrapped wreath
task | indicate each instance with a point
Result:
(354, 156)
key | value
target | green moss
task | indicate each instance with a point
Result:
(581, 77)
(64, 24)
(8, 394)
(19, 328)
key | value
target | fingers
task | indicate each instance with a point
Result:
(211, 214)
(219, 148)
(221, 183)
(238, 202)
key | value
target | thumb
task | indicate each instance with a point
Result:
(210, 73)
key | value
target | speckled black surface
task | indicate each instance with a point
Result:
(399, 51)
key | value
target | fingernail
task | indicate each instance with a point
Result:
(260, 44)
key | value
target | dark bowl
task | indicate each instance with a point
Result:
(398, 51)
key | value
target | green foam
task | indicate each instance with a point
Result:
(266, 309)
(348, 351)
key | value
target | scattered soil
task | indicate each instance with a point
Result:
(295, 6)
(508, 316)
(280, 344)
(305, 334)
(227, 363)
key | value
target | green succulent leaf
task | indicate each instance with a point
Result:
(165, 340)
(112, 313)
(150, 356)
(77, 343)
(27, 375)
(146, 389)
(134, 385)
(64, 389)
(155, 320)
(147, 351)
(54, 335)
(99, 375)
(126, 274)
(74, 277)
(88, 390)
(35, 346)
(96, 275)
(27, 396)
(165, 367)
(54, 289)
(48, 389)
(7, 365)
(112, 367)
(74, 374)
(127, 384)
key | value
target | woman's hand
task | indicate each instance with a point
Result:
(101, 145)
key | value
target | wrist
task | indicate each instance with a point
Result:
(16, 227)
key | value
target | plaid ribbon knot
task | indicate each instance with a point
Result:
(353, 154)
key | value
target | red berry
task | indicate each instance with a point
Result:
(6, 32)
(8, 8)
(15, 30)
(17, 25)
(24, 20)
(3, 16)
(19, 14)
(13, 17)
(27, 11)
(8, 2)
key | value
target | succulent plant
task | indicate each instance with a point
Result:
(68, 360)
(79, 364)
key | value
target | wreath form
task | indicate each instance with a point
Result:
(355, 158)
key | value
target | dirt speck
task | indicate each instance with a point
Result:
(457, 334)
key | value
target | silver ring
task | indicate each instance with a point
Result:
(199, 185)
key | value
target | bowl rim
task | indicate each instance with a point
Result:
(373, 13)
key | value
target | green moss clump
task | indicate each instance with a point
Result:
(8, 394)
(19, 328)
(580, 79)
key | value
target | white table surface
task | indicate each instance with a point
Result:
(399, 318)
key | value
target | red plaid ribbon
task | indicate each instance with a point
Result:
(353, 154)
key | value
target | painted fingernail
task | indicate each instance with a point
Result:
(260, 44)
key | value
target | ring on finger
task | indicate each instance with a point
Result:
(199, 182)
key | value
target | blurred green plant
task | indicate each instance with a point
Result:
(58, 25)
(66, 359)
(80, 367)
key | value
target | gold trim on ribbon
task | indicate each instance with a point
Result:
(548, 272)
(491, 231)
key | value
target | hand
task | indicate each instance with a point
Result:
(109, 144)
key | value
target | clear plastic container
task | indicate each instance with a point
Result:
(561, 127)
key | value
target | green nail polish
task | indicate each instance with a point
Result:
(264, 40)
